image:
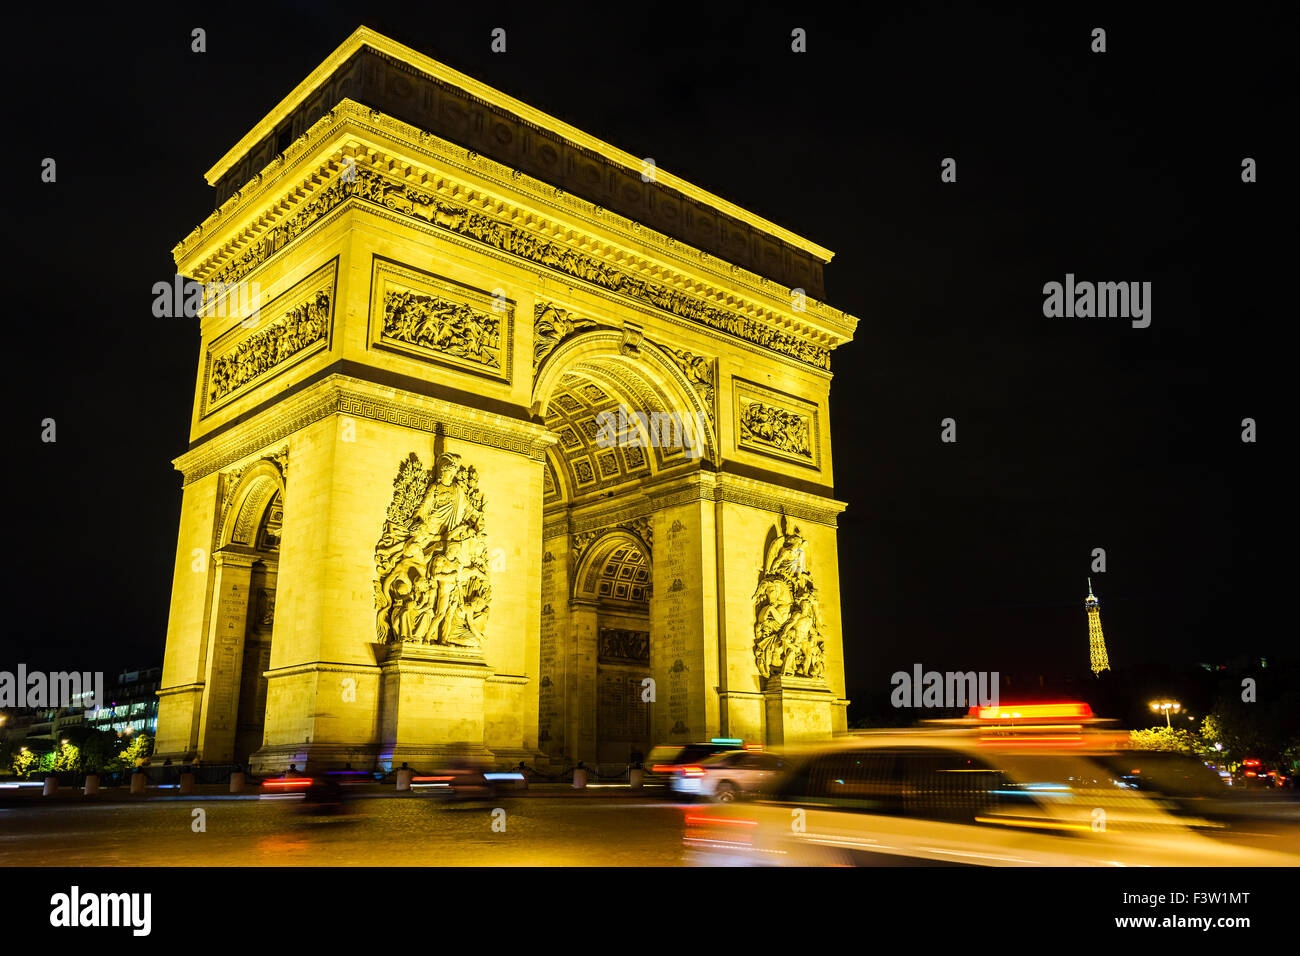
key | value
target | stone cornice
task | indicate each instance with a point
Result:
(765, 496)
(363, 37)
(344, 395)
(770, 303)
(778, 500)
(329, 667)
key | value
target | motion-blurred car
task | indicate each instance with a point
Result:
(666, 759)
(954, 797)
(318, 793)
(725, 776)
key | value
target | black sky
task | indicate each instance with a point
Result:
(1072, 433)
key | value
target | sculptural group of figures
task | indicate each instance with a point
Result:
(623, 644)
(449, 327)
(550, 327)
(287, 335)
(431, 560)
(787, 619)
(776, 426)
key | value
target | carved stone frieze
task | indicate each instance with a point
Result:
(618, 645)
(773, 423)
(764, 424)
(238, 362)
(432, 318)
(406, 199)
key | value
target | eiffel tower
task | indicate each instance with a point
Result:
(1096, 640)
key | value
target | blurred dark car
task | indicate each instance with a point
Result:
(924, 798)
(318, 793)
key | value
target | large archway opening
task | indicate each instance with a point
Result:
(625, 419)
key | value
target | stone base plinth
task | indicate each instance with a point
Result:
(797, 709)
(431, 704)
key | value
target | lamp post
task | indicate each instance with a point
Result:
(1166, 706)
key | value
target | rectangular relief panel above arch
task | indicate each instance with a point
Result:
(777, 425)
(433, 319)
(290, 329)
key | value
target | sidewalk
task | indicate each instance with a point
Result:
(30, 795)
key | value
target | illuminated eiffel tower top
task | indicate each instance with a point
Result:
(1096, 640)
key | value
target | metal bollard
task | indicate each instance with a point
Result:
(139, 780)
(404, 776)
(187, 783)
(579, 778)
(637, 778)
(237, 781)
(51, 786)
(92, 784)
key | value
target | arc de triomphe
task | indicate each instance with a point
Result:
(503, 441)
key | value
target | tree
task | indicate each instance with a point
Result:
(1167, 739)
(136, 752)
(23, 761)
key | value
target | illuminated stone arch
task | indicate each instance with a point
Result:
(645, 373)
(596, 372)
(604, 551)
(254, 491)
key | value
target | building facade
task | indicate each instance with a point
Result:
(504, 442)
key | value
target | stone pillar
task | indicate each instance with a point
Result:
(553, 645)
(683, 615)
(797, 709)
(432, 704)
(227, 627)
(581, 702)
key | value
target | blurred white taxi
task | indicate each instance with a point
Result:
(725, 776)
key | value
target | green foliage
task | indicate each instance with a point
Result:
(137, 750)
(1164, 738)
(22, 762)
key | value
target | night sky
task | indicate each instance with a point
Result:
(1072, 433)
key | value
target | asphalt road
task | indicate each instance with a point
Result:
(388, 831)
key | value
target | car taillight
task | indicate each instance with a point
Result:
(692, 771)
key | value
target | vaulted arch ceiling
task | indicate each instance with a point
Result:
(578, 465)
(619, 572)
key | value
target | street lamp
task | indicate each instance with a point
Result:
(1166, 706)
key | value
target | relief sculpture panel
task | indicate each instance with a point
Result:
(775, 424)
(298, 326)
(435, 319)
(431, 561)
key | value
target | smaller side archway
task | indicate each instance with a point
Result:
(611, 610)
(246, 576)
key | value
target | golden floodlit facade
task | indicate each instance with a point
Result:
(504, 443)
